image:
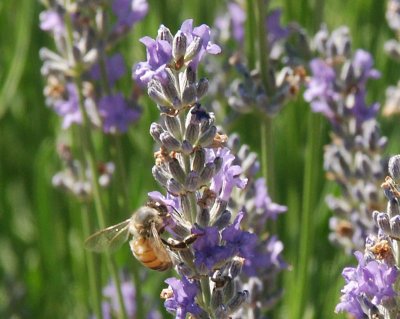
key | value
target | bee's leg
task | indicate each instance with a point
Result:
(178, 245)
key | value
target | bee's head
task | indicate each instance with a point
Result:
(144, 217)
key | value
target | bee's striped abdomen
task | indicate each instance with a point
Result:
(145, 251)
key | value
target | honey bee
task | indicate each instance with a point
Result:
(145, 226)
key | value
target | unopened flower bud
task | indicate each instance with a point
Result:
(383, 222)
(229, 289)
(394, 168)
(190, 75)
(235, 267)
(199, 160)
(218, 208)
(160, 175)
(192, 133)
(169, 142)
(216, 298)
(164, 34)
(176, 170)
(186, 207)
(203, 217)
(237, 301)
(193, 49)
(173, 126)
(192, 181)
(395, 226)
(207, 173)
(187, 147)
(189, 95)
(223, 220)
(174, 187)
(202, 87)
(169, 87)
(179, 44)
(207, 138)
(155, 132)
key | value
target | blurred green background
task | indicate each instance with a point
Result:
(42, 266)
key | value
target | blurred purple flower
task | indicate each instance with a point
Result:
(265, 258)
(69, 108)
(128, 295)
(320, 91)
(372, 279)
(263, 201)
(240, 242)
(159, 52)
(274, 29)
(182, 301)
(228, 176)
(238, 18)
(361, 110)
(204, 33)
(115, 68)
(116, 113)
(52, 21)
(129, 12)
(363, 66)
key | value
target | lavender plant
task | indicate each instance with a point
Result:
(337, 89)
(81, 71)
(110, 305)
(249, 92)
(210, 192)
(372, 288)
(81, 77)
(392, 48)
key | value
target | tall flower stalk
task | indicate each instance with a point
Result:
(372, 288)
(81, 78)
(337, 88)
(208, 189)
(392, 48)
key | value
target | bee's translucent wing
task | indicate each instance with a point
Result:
(110, 238)
(158, 244)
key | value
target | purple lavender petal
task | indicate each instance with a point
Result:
(238, 17)
(183, 300)
(238, 241)
(129, 12)
(207, 251)
(69, 109)
(115, 68)
(51, 20)
(264, 202)
(116, 113)
(275, 31)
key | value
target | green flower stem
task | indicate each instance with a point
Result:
(122, 185)
(307, 224)
(206, 293)
(267, 156)
(93, 283)
(266, 129)
(263, 49)
(251, 34)
(89, 151)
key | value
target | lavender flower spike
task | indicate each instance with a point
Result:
(185, 49)
(210, 192)
(78, 83)
(371, 289)
(337, 89)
